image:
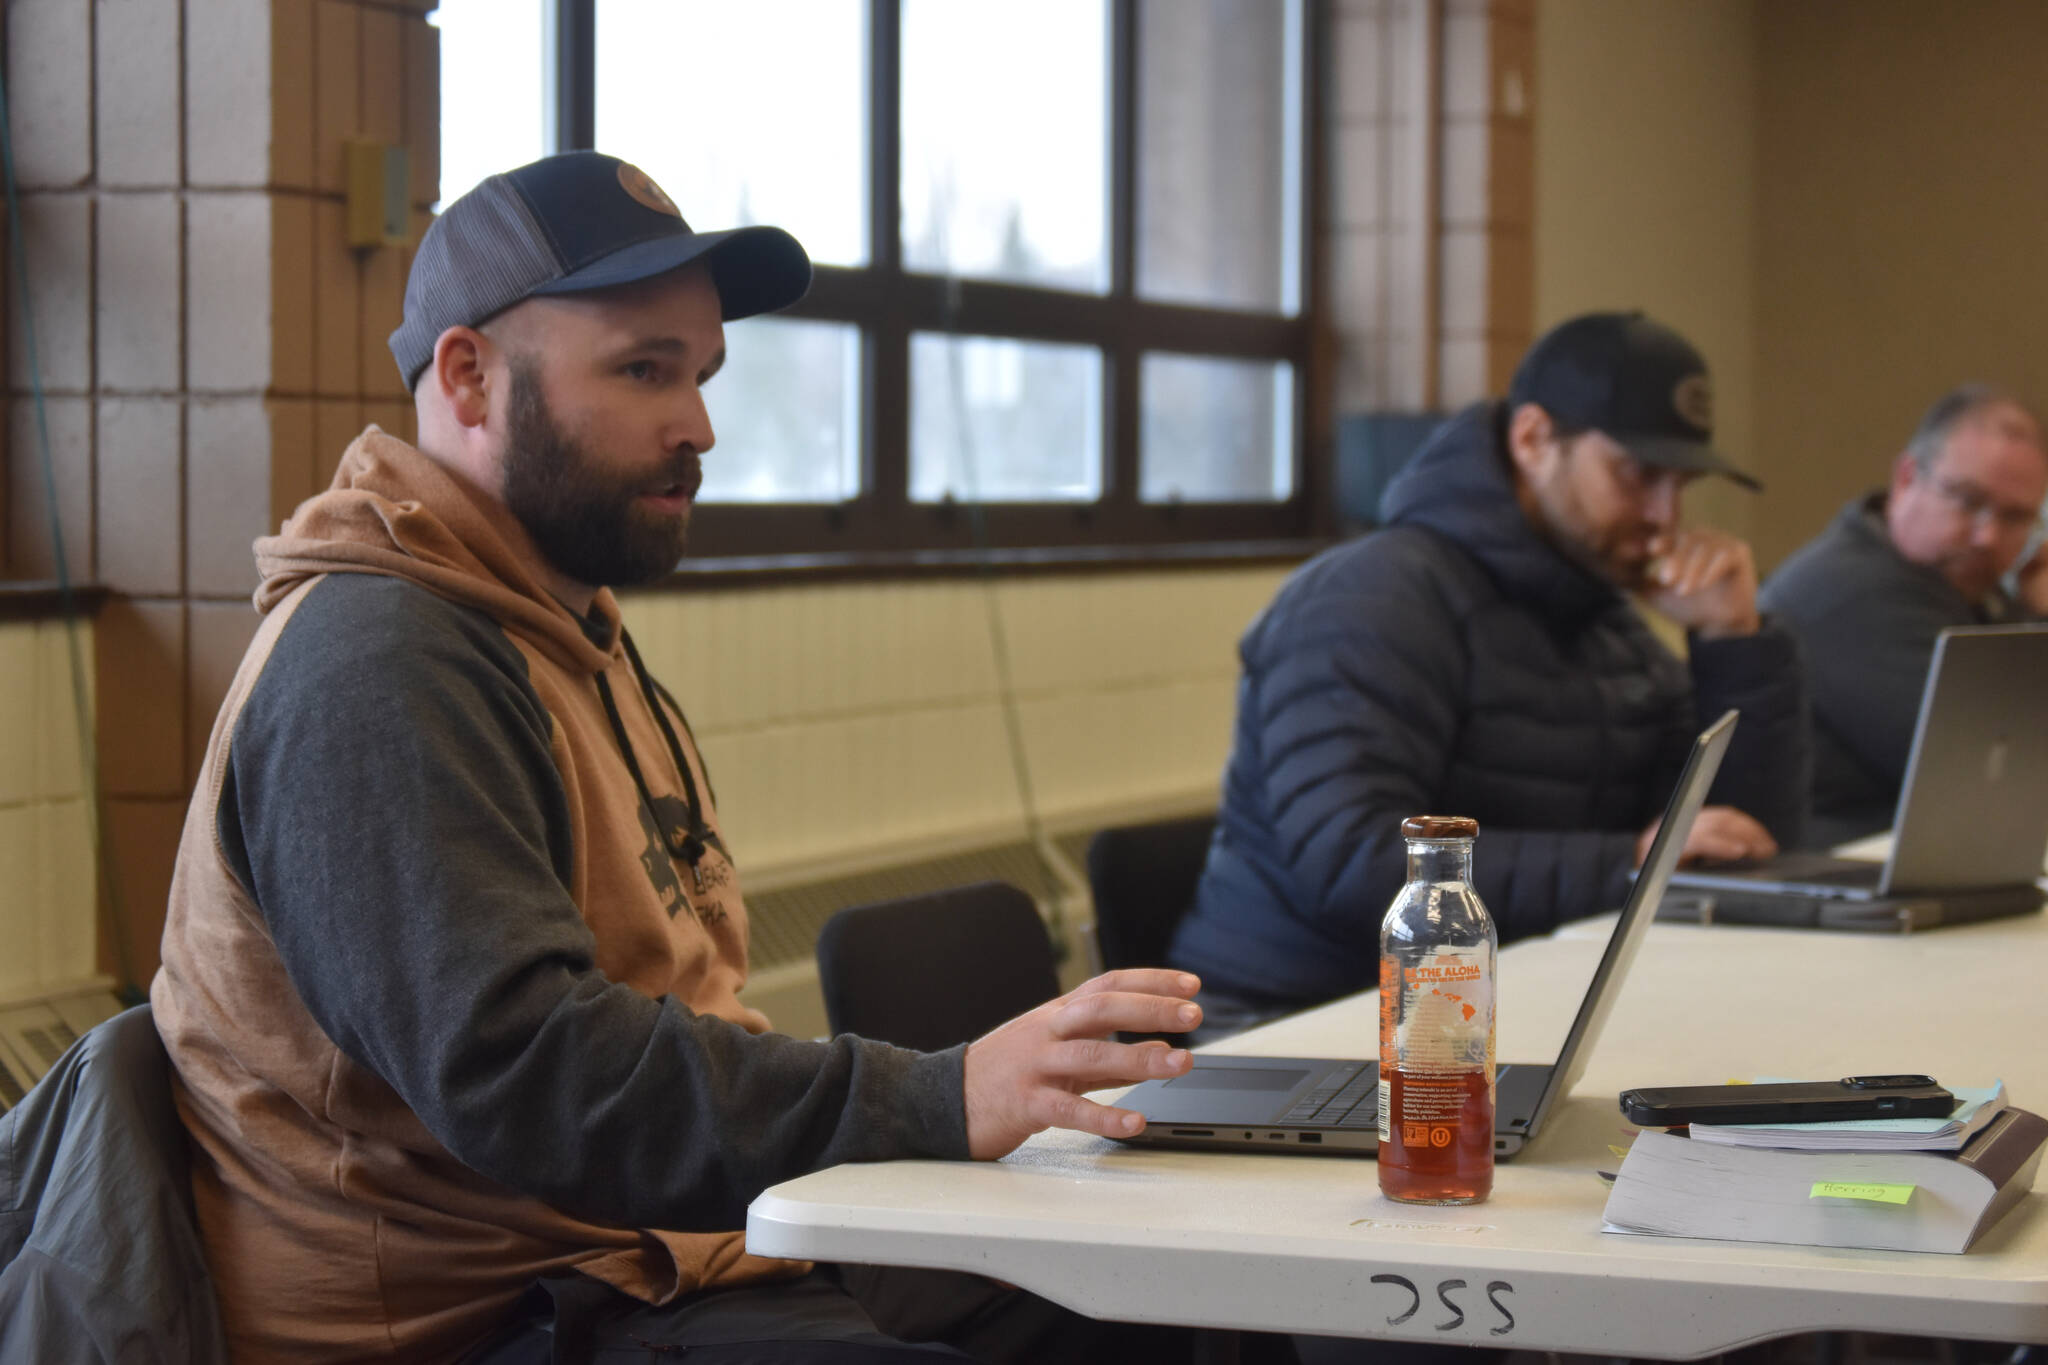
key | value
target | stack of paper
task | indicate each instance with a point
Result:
(1886, 1198)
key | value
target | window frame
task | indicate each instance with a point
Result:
(888, 303)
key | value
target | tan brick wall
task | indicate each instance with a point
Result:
(1646, 164)
(206, 341)
(1431, 201)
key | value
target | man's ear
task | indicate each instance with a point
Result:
(459, 369)
(1905, 473)
(1529, 438)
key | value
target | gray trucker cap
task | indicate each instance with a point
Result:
(571, 223)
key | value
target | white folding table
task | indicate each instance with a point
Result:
(1305, 1243)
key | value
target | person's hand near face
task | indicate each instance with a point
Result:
(1705, 580)
(2031, 579)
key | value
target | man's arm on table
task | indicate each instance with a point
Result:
(1768, 772)
(403, 828)
(1705, 582)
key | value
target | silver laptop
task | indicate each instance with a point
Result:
(1297, 1104)
(1972, 822)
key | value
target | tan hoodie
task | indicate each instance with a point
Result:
(437, 970)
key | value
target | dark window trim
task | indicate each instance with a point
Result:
(776, 571)
(889, 304)
(47, 600)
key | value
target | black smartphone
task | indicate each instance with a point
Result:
(1853, 1097)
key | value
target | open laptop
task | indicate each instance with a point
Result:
(1972, 821)
(1296, 1104)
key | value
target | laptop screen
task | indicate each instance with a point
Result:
(1686, 799)
(1973, 809)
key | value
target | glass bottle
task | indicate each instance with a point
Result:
(1437, 948)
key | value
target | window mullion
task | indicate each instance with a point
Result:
(573, 39)
(886, 430)
(1314, 474)
(1121, 389)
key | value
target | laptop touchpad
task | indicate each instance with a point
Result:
(1239, 1078)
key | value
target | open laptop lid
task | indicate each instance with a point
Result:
(1637, 914)
(1973, 810)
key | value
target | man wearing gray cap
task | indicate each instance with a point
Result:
(452, 964)
(1479, 656)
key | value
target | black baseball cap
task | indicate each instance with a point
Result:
(1637, 381)
(568, 224)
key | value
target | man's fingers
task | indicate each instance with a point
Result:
(1708, 564)
(1717, 848)
(1140, 981)
(1726, 834)
(1095, 1063)
(1101, 1013)
(1064, 1110)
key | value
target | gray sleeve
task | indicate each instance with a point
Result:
(1868, 630)
(1769, 768)
(394, 810)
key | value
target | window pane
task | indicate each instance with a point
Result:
(744, 113)
(493, 84)
(1216, 430)
(1004, 421)
(785, 414)
(1218, 166)
(1004, 165)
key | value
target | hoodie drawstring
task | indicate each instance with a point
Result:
(699, 836)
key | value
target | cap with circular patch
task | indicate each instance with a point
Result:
(568, 224)
(1635, 380)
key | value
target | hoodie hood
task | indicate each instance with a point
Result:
(1459, 486)
(391, 510)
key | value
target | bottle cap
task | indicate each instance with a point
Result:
(1440, 827)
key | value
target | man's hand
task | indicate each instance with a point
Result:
(1719, 834)
(2033, 582)
(1030, 1073)
(1706, 582)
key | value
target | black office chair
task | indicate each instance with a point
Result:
(930, 971)
(1143, 879)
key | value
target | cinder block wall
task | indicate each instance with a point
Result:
(207, 342)
(1428, 227)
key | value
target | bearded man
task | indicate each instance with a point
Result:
(1480, 656)
(453, 962)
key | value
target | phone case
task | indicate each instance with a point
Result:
(1798, 1102)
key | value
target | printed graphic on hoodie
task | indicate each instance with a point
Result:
(714, 868)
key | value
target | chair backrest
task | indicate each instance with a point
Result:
(930, 971)
(100, 1258)
(1143, 879)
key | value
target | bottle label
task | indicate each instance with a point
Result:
(1436, 1033)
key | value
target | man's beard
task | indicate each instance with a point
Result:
(586, 524)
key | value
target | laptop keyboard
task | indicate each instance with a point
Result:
(1345, 1098)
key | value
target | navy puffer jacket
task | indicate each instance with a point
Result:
(1453, 663)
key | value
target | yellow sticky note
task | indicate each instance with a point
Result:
(1618, 1150)
(1846, 1189)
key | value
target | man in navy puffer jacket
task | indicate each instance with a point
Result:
(1478, 657)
